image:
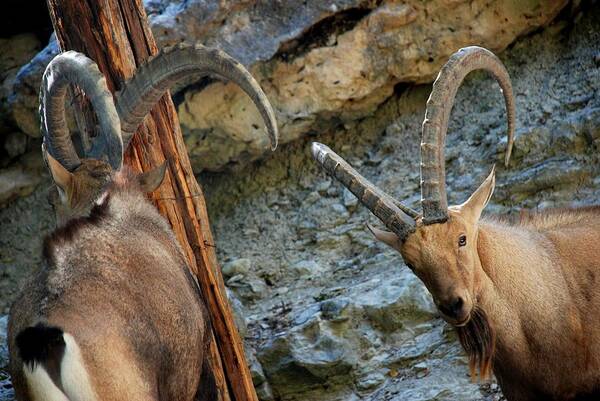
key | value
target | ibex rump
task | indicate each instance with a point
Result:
(114, 313)
(523, 296)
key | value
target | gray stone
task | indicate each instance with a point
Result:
(370, 381)
(323, 186)
(15, 182)
(6, 391)
(247, 287)
(237, 266)
(15, 144)
(312, 198)
(392, 302)
(24, 102)
(306, 268)
(238, 313)
(14, 52)
(350, 200)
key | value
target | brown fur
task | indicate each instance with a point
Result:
(529, 294)
(115, 278)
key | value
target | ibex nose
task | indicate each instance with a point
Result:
(454, 308)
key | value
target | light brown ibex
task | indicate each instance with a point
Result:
(114, 313)
(523, 297)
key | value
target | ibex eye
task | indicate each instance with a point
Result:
(462, 240)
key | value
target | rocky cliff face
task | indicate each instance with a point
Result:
(322, 64)
(329, 314)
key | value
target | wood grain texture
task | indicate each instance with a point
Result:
(116, 34)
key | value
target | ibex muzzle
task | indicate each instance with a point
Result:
(114, 313)
(518, 294)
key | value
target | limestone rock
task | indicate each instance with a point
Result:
(349, 75)
(321, 64)
(248, 30)
(237, 266)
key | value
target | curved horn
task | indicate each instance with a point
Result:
(181, 62)
(377, 201)
(435, 124)
(75, 68)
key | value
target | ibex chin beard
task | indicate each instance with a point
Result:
(478, 338)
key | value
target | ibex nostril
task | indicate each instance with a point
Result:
(453, 307)
(456, 306)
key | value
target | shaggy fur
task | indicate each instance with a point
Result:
(478, 339)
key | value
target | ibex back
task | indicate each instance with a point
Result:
(523, 296)
(114, 313)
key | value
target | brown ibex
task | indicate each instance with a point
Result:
(114, 312)
(523, 297)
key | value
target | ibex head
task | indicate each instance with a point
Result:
(439, 245)
(444, 255)
(75, 193)
(80, 182)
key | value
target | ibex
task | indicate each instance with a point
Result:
(114, 313)
(523, 297)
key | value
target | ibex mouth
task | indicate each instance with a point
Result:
(464, 322)
(455, 319)
(456, 323)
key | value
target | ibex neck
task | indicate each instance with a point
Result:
(522, 281)
(515, 261)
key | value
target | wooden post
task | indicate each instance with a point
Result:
(116, 34)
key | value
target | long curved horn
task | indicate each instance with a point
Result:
(435, 124)
(377, 201)
(181, 62)
(75, 68)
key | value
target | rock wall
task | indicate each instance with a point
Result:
(327, 313)
(322, 64)
(336, 73)
(333, 315)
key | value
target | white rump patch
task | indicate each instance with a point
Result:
(41, 387)
(74, 378)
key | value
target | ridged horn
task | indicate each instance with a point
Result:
(377, 201)
(180, 63)
(75, 68)
(435, 124)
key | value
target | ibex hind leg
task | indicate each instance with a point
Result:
(53, 367)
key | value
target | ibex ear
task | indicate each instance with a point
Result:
(151, 180)
(61, 176)
(387, 237)
(473, 207)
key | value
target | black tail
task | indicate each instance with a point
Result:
(207, 390)
(41, 344)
